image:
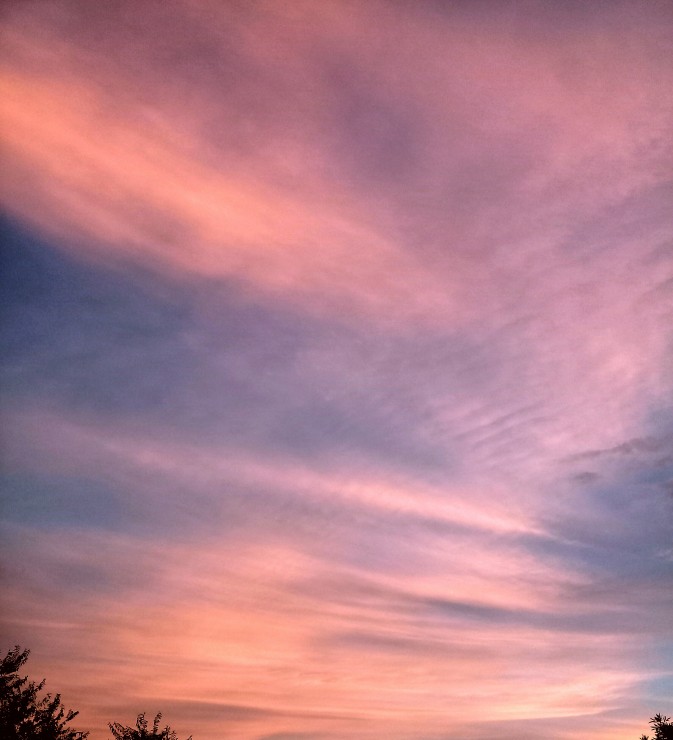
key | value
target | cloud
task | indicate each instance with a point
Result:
(266, 603)
(243, 633)
(338, 361)
(258, 213)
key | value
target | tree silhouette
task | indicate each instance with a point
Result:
(662, 728)
(141, 730)
(23, 714)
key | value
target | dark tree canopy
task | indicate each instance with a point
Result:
(142, 731)
(24, 715)
(662, 728)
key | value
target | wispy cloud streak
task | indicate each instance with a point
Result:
(339, 361)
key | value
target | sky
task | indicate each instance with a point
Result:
(337, 371)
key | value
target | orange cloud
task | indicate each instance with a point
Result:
(396, 169)
(116, 190)
(297, 642)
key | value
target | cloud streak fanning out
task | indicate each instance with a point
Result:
(338, 371)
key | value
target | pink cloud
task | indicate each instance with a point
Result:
(413, 177)
(270, 629)
(273, 622)
(124, 178)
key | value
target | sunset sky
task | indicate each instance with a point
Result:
(337, 364)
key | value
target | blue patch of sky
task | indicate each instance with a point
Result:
(86, 338)
(618, 526)
(116, 343)
(660, 688)
(59, 502)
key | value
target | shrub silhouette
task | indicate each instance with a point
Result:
(141, 730)
(23, 714)
(662, 728)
